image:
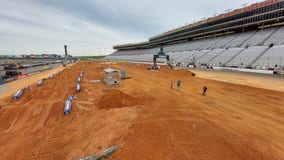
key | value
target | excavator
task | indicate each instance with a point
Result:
(15, 70)
(160, 54)
(17, 66)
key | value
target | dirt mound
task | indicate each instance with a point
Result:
(177, 73)
(118, 99)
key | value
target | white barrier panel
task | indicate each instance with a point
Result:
(245, 70)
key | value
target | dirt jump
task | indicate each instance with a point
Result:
(148, 119)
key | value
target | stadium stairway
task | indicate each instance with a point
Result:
(276, 30)
(258, 57)
(216, 56)
(225, 64)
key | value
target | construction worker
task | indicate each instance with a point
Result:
(178, 84)
(172, 83)
(204, 91)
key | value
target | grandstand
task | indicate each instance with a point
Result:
(225, 57)
(249, 37)
(273, 56)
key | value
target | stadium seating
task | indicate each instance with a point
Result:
(223, 40)
(246, 57)
(240, 39)
(274, 56)
(259, 38)
(195, 45)
(191, 56)
(248, 49)
(210, 55)
(208, 43)
(176, 56)
(225, 57)
(276, 38)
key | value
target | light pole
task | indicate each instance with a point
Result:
(244, 5)
(280, 64)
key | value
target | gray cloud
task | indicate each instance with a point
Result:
(92, 27)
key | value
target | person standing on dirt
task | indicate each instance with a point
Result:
(172, 83)
(204, 91)
(178, 84)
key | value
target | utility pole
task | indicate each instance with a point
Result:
(65, 58)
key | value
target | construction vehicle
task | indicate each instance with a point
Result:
(13, 73)
(277, 70)
(12, 70)
(160, 54)
(17, 66)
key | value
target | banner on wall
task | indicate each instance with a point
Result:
(21, 76)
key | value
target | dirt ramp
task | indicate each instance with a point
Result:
(118, 99)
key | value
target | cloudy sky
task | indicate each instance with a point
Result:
(92, 27)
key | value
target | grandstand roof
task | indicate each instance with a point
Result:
(255, 15)
(228, 14)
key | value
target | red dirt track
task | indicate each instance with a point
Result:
(148, 119)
